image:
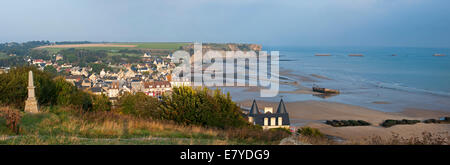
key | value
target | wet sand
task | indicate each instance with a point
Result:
(314, 113)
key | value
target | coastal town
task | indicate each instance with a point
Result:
(152, 76)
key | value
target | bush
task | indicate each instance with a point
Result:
(201, 106)
(101, 103)
(308, 131)
(140, 104)
(285, 130)
(255, 133)
(12, 118)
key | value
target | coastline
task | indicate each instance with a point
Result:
(314, 113)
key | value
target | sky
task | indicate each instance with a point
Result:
(412, 23)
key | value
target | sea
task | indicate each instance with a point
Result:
(388, 79)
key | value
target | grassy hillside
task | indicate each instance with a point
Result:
(3, 55)
(158, 45)
(63, 125)
(113, 49)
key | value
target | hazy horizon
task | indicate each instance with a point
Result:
(396, 23)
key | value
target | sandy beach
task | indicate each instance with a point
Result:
(314, 113)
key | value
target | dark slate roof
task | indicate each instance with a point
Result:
(254, 109)
(96, 89)
(281, 107)
(258, 117)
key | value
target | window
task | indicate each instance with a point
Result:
(280, 121)
(272, 121)
(266, 121)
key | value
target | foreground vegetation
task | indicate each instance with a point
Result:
(72, 116)
(65, 125)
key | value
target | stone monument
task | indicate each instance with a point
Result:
(31, 105)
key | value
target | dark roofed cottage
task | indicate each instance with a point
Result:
(268, 119)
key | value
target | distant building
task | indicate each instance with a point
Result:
(146, 56)
(97, 90)
(113, 91)
(269, 119)
(59, 57)
(72, 79)
(176, 82)
(157, 88)
(38, 61)
(86, 83)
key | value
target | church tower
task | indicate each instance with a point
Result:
(31, 105)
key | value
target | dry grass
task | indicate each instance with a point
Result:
(315, 140)
(66, 125)
(12, 118)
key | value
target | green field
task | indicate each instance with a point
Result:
(139, 45)
(165, 47)
(158, 45)
(3, 56)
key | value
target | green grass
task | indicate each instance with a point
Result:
(127, 54)
(3, 55)
(139, 45)
(158, 45)
(109, 49)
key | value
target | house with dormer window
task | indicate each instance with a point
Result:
(268, 118)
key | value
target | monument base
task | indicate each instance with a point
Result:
(31, 106)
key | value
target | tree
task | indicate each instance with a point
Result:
(13, 87)
(140, 104)
(97, 68)
(50, 69)
(49, 91)
(101, 103)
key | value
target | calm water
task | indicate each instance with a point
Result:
(414, 78)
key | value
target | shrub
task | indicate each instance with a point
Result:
(101, 103)
(140, 104)
(201, 106)
(255, 134)
(12, 118)
(308, 131)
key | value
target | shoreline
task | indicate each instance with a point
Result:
(314, 113)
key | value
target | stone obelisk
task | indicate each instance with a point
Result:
(31, 105)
